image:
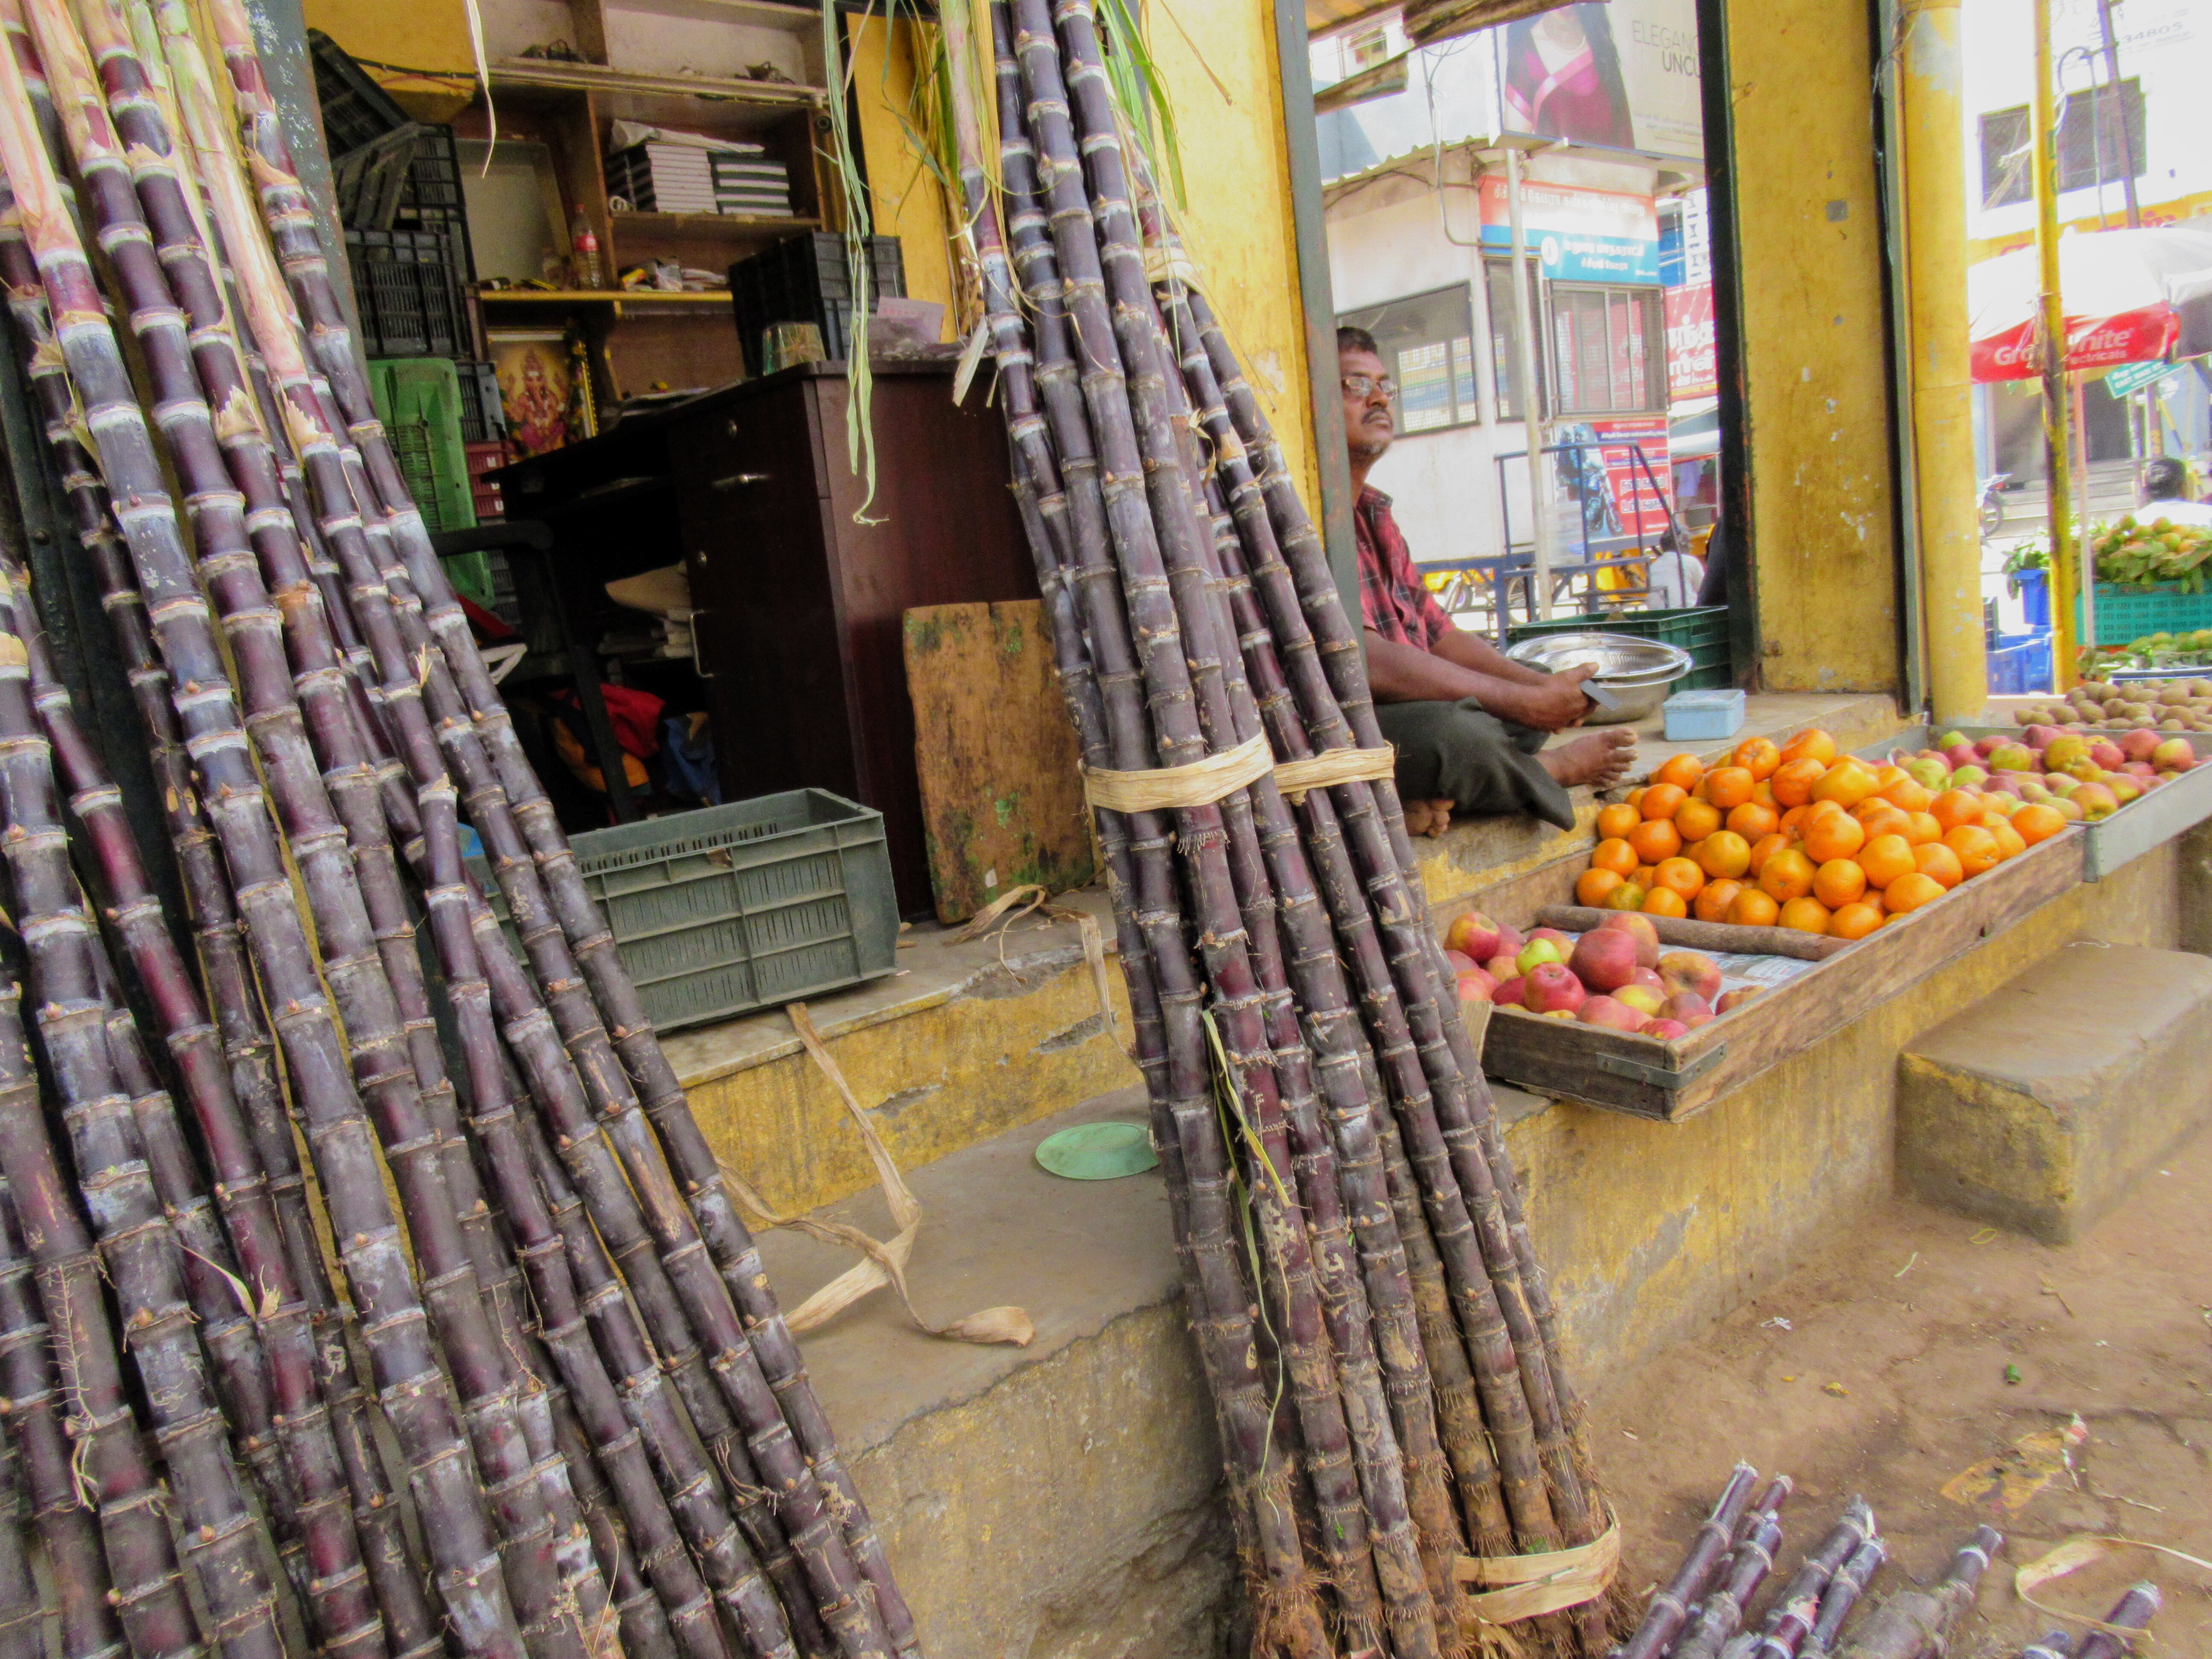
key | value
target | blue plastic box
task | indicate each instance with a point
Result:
(1692, 716)
(2019, 663)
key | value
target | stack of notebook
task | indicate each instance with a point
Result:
(662, 178)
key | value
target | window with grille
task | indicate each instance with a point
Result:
(2100, 135)
(1427, 341)
(1607, 350)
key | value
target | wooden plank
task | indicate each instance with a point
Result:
(1001, 796)
(1621, 1071)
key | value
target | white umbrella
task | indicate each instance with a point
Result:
(2130, 296)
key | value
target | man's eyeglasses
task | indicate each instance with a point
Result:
(1366, 386)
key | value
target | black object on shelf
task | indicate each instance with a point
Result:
(806, 279)
(431, 199)
(483, 418)
(409, 292)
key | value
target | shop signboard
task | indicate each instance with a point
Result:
(1690, 347)
(2134, 377)
(1582, 235)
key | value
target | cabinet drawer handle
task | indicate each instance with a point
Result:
(738, 480)
(698, 667)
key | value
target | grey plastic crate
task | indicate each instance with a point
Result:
(751, 905)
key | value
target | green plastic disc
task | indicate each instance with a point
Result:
(1097, 1152)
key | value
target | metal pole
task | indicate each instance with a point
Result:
(2120, 108)
(2056, 448)
(1936, 371)
(1532, 394)
(2078, 384)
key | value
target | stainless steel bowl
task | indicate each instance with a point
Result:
(1638, 672)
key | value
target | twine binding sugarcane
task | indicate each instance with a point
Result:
(1532, 1585)
(1213, 780)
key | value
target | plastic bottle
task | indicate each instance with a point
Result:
(586, 247)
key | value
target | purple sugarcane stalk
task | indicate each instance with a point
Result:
(2134, 1612)
(1918, 1623)
(1790, 1619)
(1842, 1594)
(1721, 1615)
(1663, 1620)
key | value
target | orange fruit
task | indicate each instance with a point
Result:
(2010, 842)
(1885, 858)
(1712, 904)
(1626, 897)
(1807, 916)
(1909, 893)
(1794, 780)
(1697, 819)
(1753, 819)
(1847, 783)
(1977, 848)
(1757, 755)
(1728, 787)
(1645, 874)
(1698, 790)
(1615, 821)
(1655, 838)
(1683, 876)
(1922, 827)
(1753, 909)
(1888, 774)
(1592, 886)
(1793, 822)
(1636, 799)
(1811, 744)
(1838, 882)
(1613, 854)
(1665, 901)
(1763, 792)
(1765, 848)
(1908, 794)
(1724, 854)
(1883, 820)
(1854, 921)
(2034, 822)
(1661, 800)
(1937, 862)
(1956, 806)
(1683, 771)
(1832, 836)
(1787, 875)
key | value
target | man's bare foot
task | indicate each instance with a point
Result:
(1600, 759)
(1428, 818)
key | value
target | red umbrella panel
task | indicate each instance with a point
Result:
(2130, 296)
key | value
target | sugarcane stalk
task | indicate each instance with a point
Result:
(32, 1409)
(2132, 1612)
(1842, 1594)
(1919, 1622)
(412, 1385)
(22, 1616)
(2054, 1645)
(1670, 1609)
(1790, 1619)
(1721, 1615)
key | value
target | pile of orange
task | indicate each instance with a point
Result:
(1798, 836)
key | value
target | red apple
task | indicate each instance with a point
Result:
(1642, 997)
(1508, 994)
(1665, 1030)
(1639, 928)
(1510, 942)
(1604, 958)
(1475, 986)
(1553, 989)
(1987, 746)
(1474, 935)
(1604, 1011)
(1737, 997)
(2174, 755)
(1502, 968)
(2110, 757)
(1649, 978)
(1690, 971)
(1459, 961)
(2040, 737)
(1564, 941)
(2139, 743)
(1689, 1007)
(2139, 769)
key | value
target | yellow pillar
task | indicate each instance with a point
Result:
(2057, 447)
(1942, 416)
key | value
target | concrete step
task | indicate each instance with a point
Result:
(2041, 1106)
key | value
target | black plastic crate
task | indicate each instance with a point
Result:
(431, 198)
(355, 110)
(806, 279)
(408, 293)
(484, 419)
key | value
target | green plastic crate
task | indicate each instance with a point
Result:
(1701, 630)
(419, 401)
(2125, 614)
(750, 905)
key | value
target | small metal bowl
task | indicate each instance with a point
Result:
(1638, 672)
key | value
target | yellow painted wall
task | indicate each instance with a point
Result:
(422, 34)
(1815, 381)
(906, 199)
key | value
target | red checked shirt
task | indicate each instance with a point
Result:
(1393, 601)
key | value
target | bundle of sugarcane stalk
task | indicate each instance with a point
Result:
(606, 1439)
(1376, 1331)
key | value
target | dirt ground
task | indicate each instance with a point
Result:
(1884, 1367)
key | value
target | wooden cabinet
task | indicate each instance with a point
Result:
(801, 602)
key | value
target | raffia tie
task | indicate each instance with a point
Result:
(1201, 783)
(1532, 1585)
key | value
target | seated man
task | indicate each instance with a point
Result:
(2164, 491)
(1469, 723)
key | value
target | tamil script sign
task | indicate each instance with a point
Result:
(1582, 235)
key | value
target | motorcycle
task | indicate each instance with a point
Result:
(1991, 506)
